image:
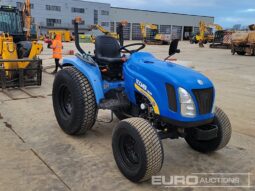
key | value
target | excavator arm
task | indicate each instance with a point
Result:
(103, 30)
(145, 26)
(203, 28)
(27, 19)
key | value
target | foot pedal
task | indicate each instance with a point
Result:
(112, 104)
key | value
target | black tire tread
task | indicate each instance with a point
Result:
(226, 128)
(86, 98)
(153, 145)
(223, 138)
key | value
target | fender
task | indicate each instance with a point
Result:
(92, 73)
(136, 82)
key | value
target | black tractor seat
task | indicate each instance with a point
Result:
(108, 57)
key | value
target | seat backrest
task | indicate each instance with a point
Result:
(107, 46)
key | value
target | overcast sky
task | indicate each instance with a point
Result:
(226, 12)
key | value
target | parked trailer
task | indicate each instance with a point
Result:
(243, 43)
(243, 49)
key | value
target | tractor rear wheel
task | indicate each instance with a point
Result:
(74, 101)
(223, 135)
(137, 149)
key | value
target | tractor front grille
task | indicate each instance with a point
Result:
(204, 98)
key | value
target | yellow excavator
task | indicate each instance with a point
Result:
(151, 35)
(204, 36)
(19, 62)
(104, 31)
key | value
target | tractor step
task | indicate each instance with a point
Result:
(112, 104)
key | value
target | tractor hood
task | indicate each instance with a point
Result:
(159, 81)
(150, 67)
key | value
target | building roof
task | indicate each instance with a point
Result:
(92, 2)
(161, 12)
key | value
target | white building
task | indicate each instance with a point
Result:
(60, 13)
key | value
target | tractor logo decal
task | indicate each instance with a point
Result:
(142, 88)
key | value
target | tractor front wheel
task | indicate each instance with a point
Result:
(241, 53)
(137, 149)
(223, 135)
(74, 101)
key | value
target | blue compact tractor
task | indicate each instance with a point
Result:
(153, 99)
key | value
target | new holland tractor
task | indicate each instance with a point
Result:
(153, 99)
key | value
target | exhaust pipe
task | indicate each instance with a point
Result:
(84, 56)
(77, 20)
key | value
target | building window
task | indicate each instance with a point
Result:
(112, 26)
(177, 32)
(78, 10)
(103, 12)
(52, 22)
(19, 5)
(136, 31)
(53, 8)
(165, 29)
(81, 23)
(126, 30)
(196, 30)
(105, 24)
(95, 17)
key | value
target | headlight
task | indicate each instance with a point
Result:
(188, 108)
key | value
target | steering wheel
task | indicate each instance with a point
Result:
(142, 46)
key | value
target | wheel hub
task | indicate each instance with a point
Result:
(129, 149)
(66, 101)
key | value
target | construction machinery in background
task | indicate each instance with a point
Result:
(204, 34)
(19, 62)
(104, 31)
(222, 39)
(252, 27)
(27, 18)
(151, 36)
(243, 42)
(65, 34)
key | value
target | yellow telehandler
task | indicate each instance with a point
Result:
(19, 62)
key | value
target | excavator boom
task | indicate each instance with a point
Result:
(27, 19)
(104, 31)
